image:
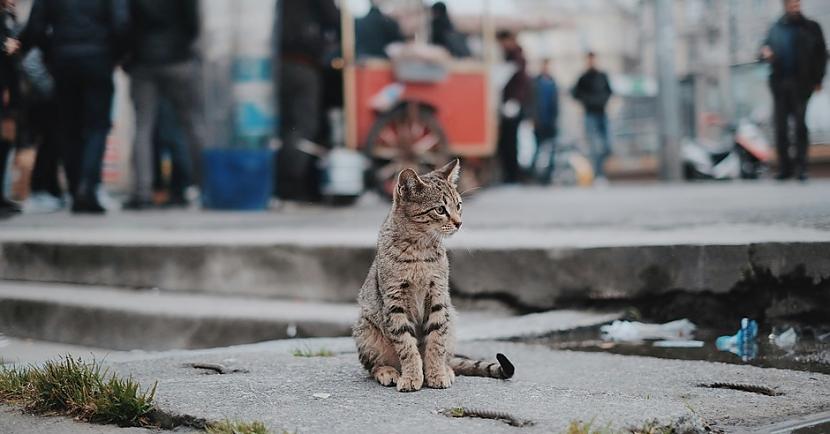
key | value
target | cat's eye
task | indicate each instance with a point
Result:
(441, 210)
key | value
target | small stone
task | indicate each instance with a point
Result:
(322, 395)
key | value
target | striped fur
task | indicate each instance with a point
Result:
(405, 335)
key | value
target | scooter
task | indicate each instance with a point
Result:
(745, 156)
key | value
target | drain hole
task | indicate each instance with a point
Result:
(761, 390)
(486, 414)
(215, 368)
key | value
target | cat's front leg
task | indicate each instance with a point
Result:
(401, 332)
(438, 332)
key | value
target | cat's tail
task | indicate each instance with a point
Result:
(502, 369)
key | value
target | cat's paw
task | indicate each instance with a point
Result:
(387, 376)
(441, 378)
(410, 383)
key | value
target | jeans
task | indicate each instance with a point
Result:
(169, 139)
(791, 100)
(178, 83)
(599, 139)
(84, 90)
(545, 138)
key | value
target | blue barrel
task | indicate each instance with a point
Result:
(237, 179)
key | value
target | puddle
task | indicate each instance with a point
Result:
(808, 354)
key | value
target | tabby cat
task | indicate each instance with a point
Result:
(406, 332)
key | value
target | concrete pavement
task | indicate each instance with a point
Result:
(551, 388)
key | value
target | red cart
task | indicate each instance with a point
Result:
(419, 113)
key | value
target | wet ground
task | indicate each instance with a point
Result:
(808, 354)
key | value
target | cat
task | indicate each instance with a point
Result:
(405, 335)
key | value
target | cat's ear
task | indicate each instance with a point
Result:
(451, 171)
(409, 183)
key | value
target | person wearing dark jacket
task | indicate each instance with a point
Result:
(306, 25)
(443, 33)
(84, 41)
(374, 31)
(593, 91)
(163, 62)
(796, 49)
(545, 119)
(513, 100)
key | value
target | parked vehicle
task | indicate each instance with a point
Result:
(745, 155)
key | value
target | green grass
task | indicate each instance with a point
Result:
(322, 352)
(229, 427)
(84, 391)
(579, 427)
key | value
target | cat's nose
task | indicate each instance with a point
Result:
(457, 224)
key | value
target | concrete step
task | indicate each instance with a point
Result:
(535, 271)
(155, 320)
(116, 319)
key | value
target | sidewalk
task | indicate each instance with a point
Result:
(551, 389)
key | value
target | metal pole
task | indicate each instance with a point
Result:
(668, 107)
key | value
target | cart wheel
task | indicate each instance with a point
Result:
(408, 136)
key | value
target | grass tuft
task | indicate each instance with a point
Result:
(579, 427)
(84, 391)
(229, 427)
(322, 352)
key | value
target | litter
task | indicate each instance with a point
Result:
(679, 344)
(322, 395)
(633, 331)
(743, 343)
(785, 340)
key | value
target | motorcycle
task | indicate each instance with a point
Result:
(745, 156)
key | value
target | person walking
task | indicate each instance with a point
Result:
(797, 51)
(545, 120)
(306, 25)
(163, 62)
(513, 99)
(84, 41)
(593, 91)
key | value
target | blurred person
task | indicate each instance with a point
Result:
(545, 119)
(163, 62)
(796, 49)
(169, 140)
(374, 31)
(443, 32)
(84, 41)
(593, 91)
(9, 99)
(306, 25)
(513, 99)
(40, 114)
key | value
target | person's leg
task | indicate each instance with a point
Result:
(144, 93)
(98, 91)
(802, 134)
(69, 141)
(604, 141)
(550, 144)
(782, 134)
(301, 96)
(45, 172)
(170, 137)
(510, 155)
(180, 84)
(539, 135)
(592, 135)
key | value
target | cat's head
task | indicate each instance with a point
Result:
(430, 203)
